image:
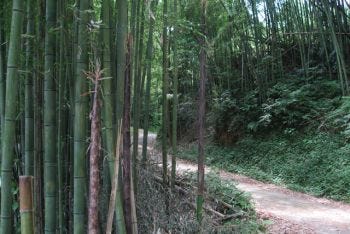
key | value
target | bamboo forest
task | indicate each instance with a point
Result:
(174, 116)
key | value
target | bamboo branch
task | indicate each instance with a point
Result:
(315, 32)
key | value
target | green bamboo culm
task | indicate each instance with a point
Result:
(38, 118)
(28, 106)
(2, 64)
(80, 122)
(108, 106)
(62, 113)
(164, 92)
(175, 99)
(201, 113)
(8, 139)
(138, 51)
(108, 134)
(149, 55)
(26, 204)
(133, 64)
(122, 27)
(341, 64)
(50, 132)
(2, 74)
(107, 93)
(199, 210)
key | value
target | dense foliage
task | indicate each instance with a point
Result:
(291, 105)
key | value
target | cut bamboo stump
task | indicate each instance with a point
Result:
(26, 204)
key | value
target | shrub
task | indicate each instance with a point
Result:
(187, 113)
(291, 104)
(296, 104)
(231, 116)
(338, 120)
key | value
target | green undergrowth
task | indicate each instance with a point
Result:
(179, 215)
(218, 189)
(315, 163)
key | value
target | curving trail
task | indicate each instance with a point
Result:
(289, 211)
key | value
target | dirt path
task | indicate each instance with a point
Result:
(291, 212)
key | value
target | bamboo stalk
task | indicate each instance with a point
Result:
(80, 120)
(175, 98)
(26, 204)
(133, 205)
(165, 79)
(148, 67)
(201, 115)
(126, 141)
(121, 45)
(29, 108)
(9, 131)
(62, 126)
(50, 133)
(95, 148)
(112, 199)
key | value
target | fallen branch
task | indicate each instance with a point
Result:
(214, 212)
(183, 191)
(220, 202)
